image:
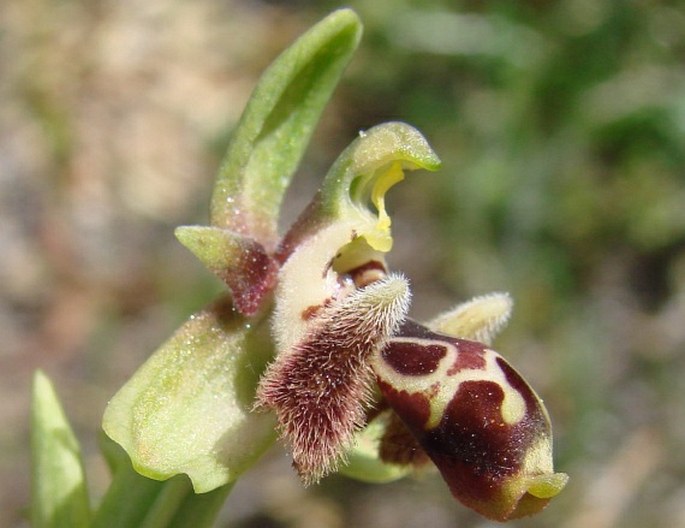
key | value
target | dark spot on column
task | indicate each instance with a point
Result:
(310, 312)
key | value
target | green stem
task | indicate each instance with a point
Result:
(200, 511)
(134, 501)
(127, 500)
(167, 502)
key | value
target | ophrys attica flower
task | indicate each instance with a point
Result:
(315, 327)
(346, 349)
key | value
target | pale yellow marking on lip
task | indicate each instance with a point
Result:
(513, 405)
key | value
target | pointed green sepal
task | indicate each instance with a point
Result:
(188, 408)
(240, 261)
(276, 126)
(59, 494)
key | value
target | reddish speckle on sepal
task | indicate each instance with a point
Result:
(251, 279)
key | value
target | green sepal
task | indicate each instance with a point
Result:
(59, 494)
(240, 261)
(188, 408)
(276, 125)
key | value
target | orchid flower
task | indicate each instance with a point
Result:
(313, 343)
(347, 356)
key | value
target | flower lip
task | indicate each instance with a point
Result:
(485, 429)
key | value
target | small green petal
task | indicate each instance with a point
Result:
(480, 319)
(59, 494)
(216, 248)
(188, 408)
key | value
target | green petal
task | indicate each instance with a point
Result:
(188, 408)
(276, 126)
(59, 495)
(479, 319)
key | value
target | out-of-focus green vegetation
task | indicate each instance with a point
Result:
(561, 126)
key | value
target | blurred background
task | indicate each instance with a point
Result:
(561, 125)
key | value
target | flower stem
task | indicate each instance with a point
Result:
(133, 500)
(200, 510)
(168, 501)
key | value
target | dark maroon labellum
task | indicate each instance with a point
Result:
(470, 411)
